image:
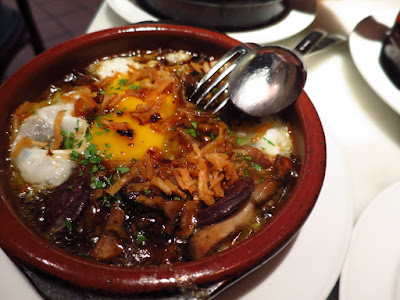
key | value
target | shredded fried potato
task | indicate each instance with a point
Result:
(25, 142)
(58, 138)
(22, 143)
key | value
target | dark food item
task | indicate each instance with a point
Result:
(390, 53)
(72, 197)
(240, 192)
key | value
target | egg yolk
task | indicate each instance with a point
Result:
(132, 140)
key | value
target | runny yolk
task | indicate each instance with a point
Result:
(133, 143)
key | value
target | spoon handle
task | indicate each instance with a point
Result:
(328, 41)
(310, 41)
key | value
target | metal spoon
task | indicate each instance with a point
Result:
(268, 79)
(262, 80)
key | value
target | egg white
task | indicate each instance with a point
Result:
(276, 141)
(39, 166)
(109, 67)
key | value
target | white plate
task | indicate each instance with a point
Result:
(365, 54)
(13, 283)
(294, 22)
(372, 267)
(310, 264)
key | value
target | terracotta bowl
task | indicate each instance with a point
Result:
(27, 248)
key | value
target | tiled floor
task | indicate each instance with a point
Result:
(57, 21)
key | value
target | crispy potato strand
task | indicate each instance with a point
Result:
(58, 137)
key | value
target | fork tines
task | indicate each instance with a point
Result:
(208, 84)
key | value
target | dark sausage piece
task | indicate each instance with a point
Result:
(240, 192)
(68, 199)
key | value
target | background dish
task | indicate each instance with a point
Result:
(221, 15)
(301, 254)
(294, 22)
(365, 54)
(372, 267)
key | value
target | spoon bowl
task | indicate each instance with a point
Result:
(267, 80)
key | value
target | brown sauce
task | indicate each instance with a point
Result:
(151, 210)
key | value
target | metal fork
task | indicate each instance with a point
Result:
(314, 42)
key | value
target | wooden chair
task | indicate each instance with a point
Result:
(17, 29)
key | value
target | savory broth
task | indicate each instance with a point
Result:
(115, 164)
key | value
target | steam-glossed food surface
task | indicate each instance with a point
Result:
(114, 164)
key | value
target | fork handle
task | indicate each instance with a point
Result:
(310, 41)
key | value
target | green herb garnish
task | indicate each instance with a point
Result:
(269, 142)
(74, 155)
(122, 170)
(134, 86)
(140, 238)
(256, 167)
(96, 183)
(68, 223)
(191, 131)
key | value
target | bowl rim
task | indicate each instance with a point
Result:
(228, 264)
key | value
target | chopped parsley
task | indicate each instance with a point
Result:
(191, 131)
(91, 156)
(108, 200)
(140, 238)
(88, 136)
(95, 168)
(122, 170)
(77, 126)
(134, 86)
(212, 137)
(256, 166)
(74, 155)
(69, 141)
(68, 223)
(268, 141)
(96, 183)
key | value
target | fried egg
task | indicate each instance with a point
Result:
(134, 141)
(40, 166)
(112, 66)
